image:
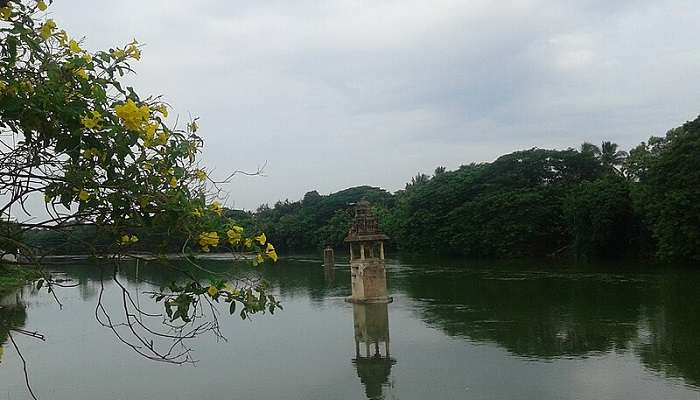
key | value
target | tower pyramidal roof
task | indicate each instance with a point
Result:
(364, 226)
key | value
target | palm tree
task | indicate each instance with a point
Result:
(610, 157)
(607, 154)
(590, 148)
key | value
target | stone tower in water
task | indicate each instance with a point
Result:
(367, 257)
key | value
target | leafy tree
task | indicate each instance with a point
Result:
(599, 217)
(666, 171)
(105, 159)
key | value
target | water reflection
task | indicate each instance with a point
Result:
(372, 360)
(571, 318)
(13, 314)
(567, 313)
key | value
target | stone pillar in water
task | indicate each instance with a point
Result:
(328, 257)
(368, 275)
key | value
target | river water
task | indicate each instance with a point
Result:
(456, 330)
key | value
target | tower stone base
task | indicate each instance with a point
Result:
(368, 278)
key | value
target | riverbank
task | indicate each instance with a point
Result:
(13, 276)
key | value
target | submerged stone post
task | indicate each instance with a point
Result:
(368, 275)
(328, 257)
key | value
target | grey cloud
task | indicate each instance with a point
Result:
(341, 93)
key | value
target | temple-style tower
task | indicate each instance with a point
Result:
(367, 257)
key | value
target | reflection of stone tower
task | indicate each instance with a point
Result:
(371, 334)
(367, 257)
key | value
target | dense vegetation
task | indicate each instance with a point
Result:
(591, 202)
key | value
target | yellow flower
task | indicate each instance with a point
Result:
(163, 109)
(197, 212)
(47, 29)
(150, 133)
(258, 259)
(213, 291)
(235, 235)
(173, 182)
(3, 86)
(261, 238)
(74, 47)
(132, 115)
(126, 239)
(201, 175)
(207, 239)
(81, 73)
(83, 195)
(271, 252)
(118, 53)
(133, 51)
(5, 13)
(216, 207)
(248, 243)
(41, 5)
(87, 57)
(93, 121)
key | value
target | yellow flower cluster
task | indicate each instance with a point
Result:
(92, 121)
(207, 239)
(235, 234)
(261, 238)
(271, 253)
(47, 29)
(201, 175)
(5, 13)
(81, 73)
(133, 51)
(83, 195)
(213, 291)
(127, 240)
(134, 117)
(41, 5)
(74, 47)
(163, 109)
(216, 208)
(173, 182)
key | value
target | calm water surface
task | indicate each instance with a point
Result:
(456, 330)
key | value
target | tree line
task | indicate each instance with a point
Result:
(595, 201)
(590, 202)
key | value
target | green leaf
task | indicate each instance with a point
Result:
(232, 308)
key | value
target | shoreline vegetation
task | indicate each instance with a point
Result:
(590, 203)
(14, 276)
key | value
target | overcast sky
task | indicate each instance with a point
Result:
(333, 94)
